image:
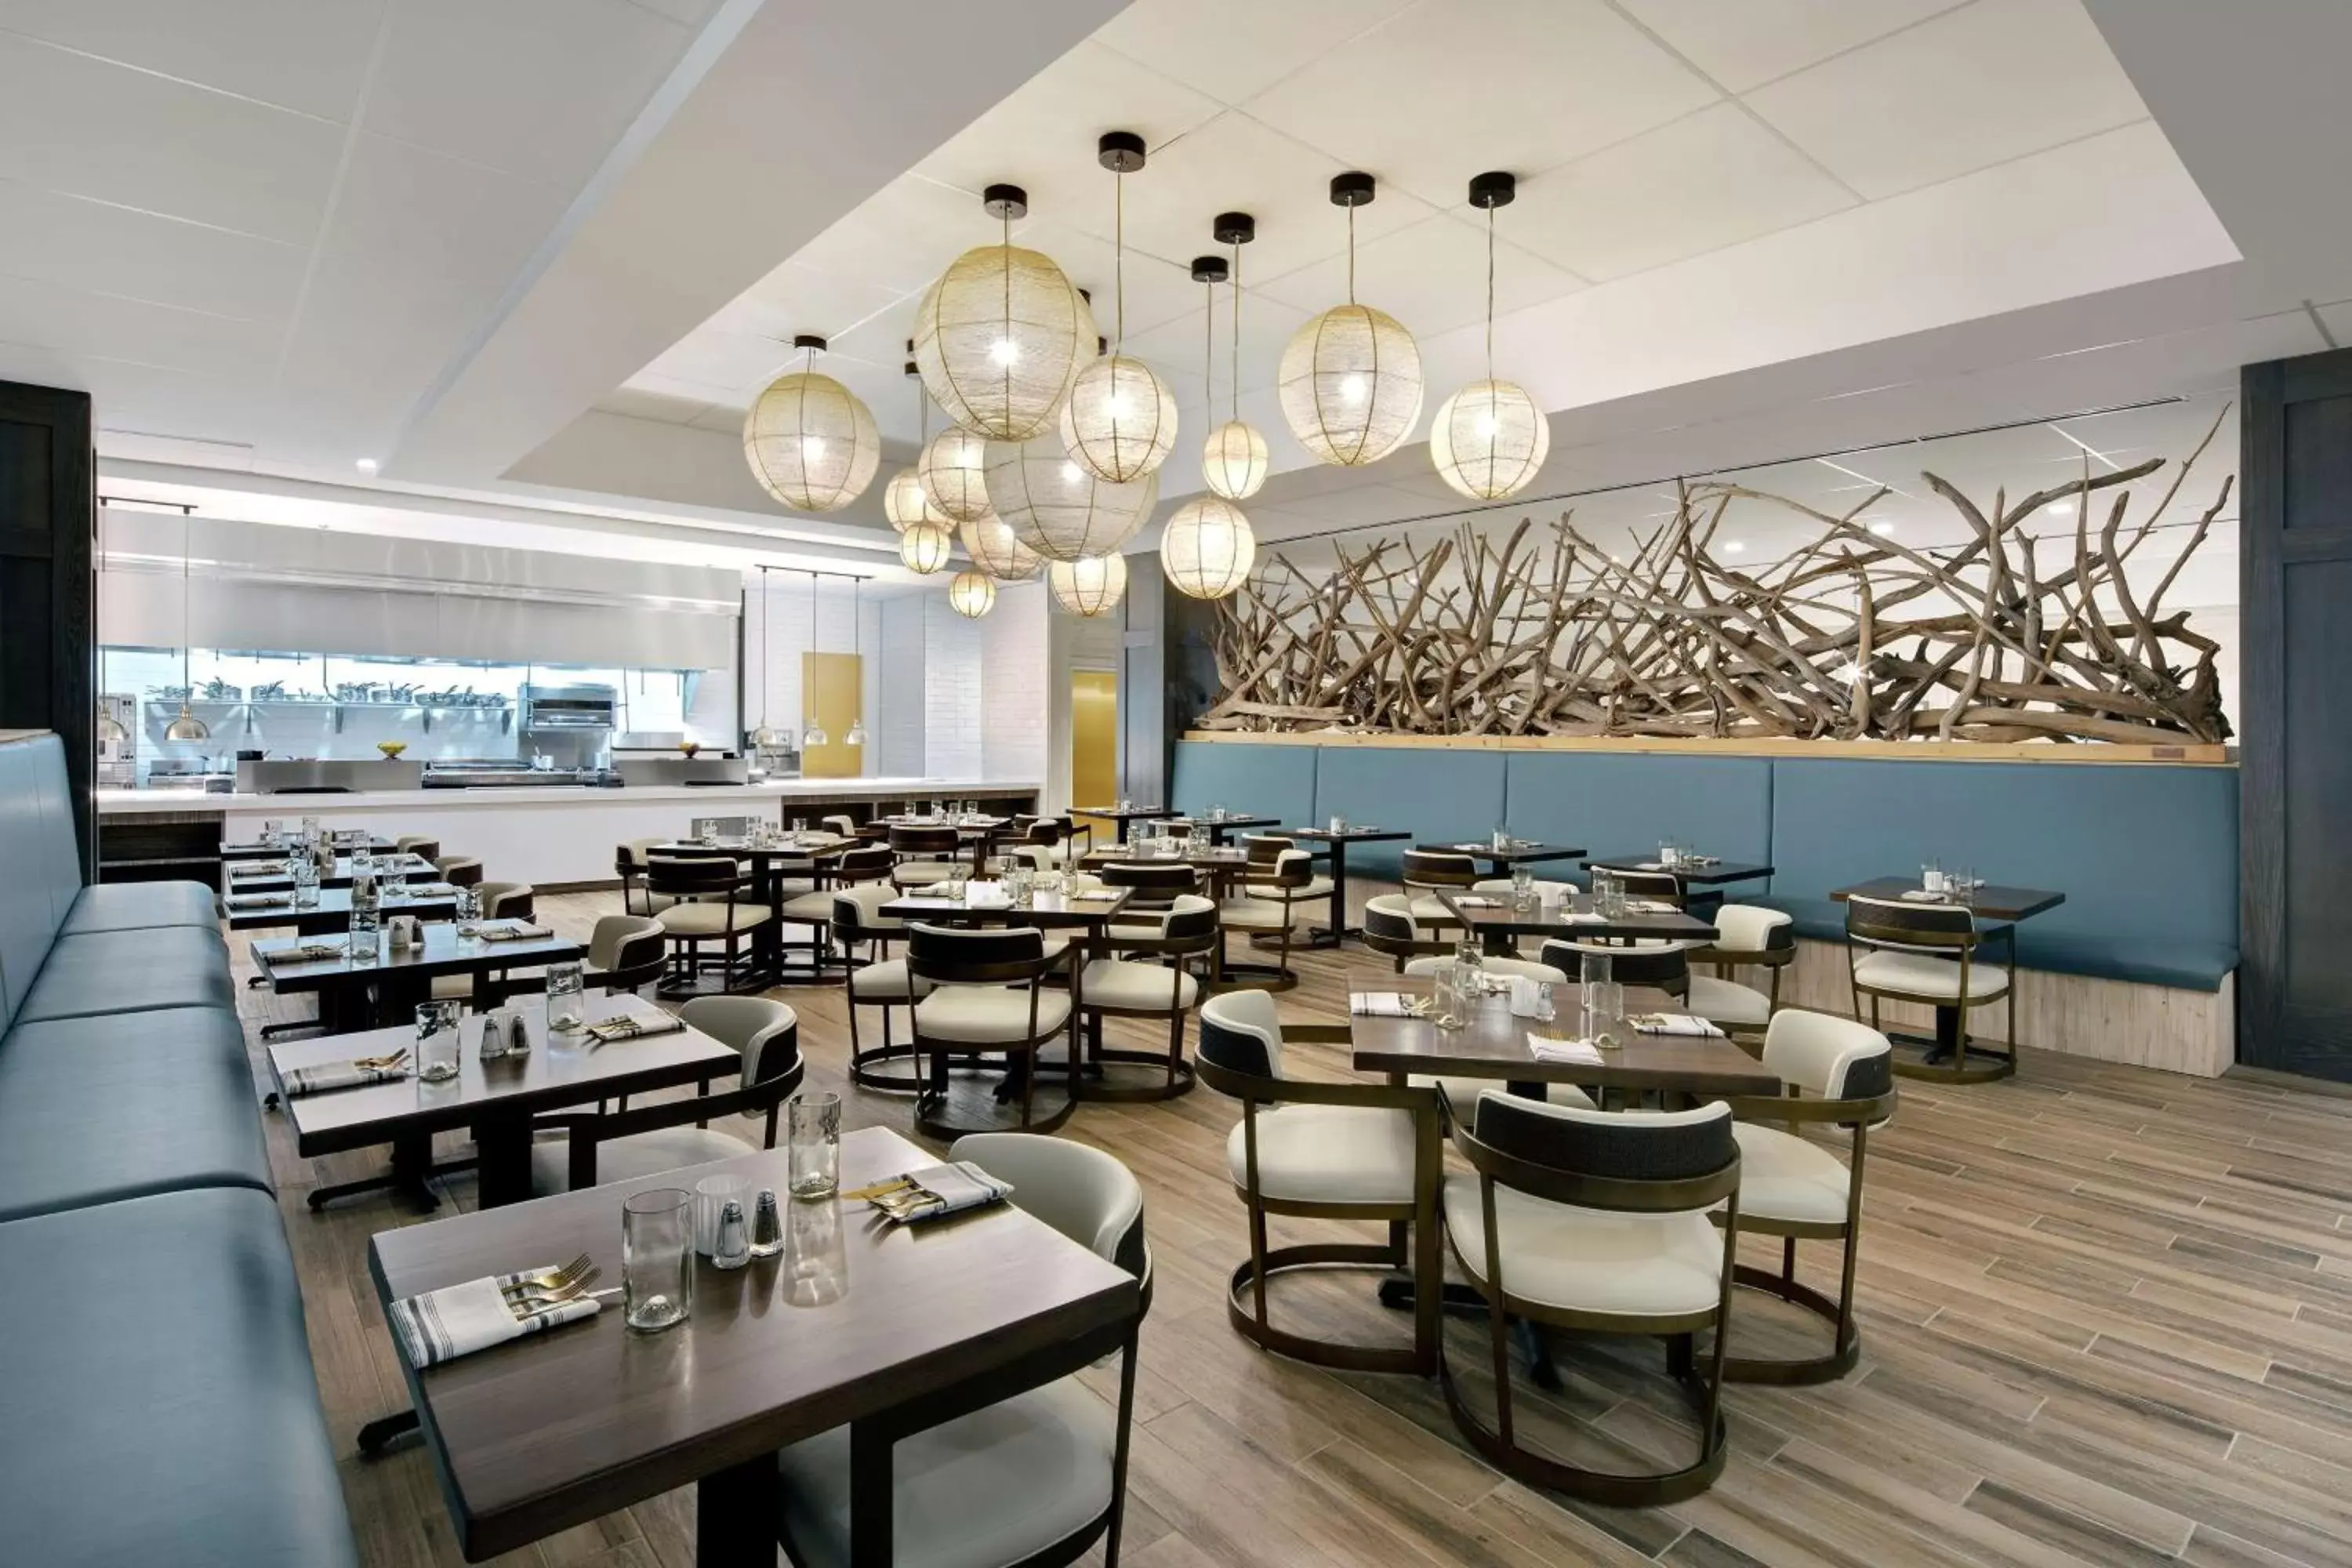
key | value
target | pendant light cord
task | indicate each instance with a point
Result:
(1236, 366)
(764, 648)
(1118, 258)
(1490, 293)
(1351, 253)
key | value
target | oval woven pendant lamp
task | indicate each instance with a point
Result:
(951, 466)
(1207, 547)
(905, 502)
(994, 550)
(1234, 460)
(1120, 420)
(1489, 439)
(1350, 380)
(971, 595)
(1090, 587)
(809, 440)
(1057, 508)
(1002, 332)
(924, 548)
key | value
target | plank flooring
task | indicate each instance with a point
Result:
(2107, 1320)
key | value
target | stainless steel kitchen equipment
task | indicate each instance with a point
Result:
(318, 777)
(571, 726)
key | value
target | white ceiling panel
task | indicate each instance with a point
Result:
(73, 123)
(538, 88)
(1709, 179)
(1266, 326)
(1158, 290)
(1991, 81)
(386, 322)
(184, 404)
(404, 207)
(729, 364)
(119, 250)
(309, 55)
(639, 403)
(1234, 50)
(1043, 137)
(74, 321)
(1441, 91)
(795, 299)
(1432, 277)
(903, 235)
(1745, 44)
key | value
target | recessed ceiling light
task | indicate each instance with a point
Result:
(366, 465)
(1733, 547)
(1882, 526)
(2060, 509)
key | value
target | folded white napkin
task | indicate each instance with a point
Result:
(257, 869)
(335, 1075)
(1582, 918)
(428, 889)
(987, 896)
(1545, 1049)
(459, 1320)
(1476, 849)
(1478, 901)
(1651, 865)
(1379, 1004)
(1648, 906)
(635, 1028)
(944, 1189)
(1096, 895)
(1681, 1024)
(511, 931)
(258, 901)
(322, 947)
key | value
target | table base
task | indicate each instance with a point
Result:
(1944, 1059)
(412, 1172)
(1461, 1300)
(737, 1513)
(377, 1435)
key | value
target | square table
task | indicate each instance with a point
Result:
(1047, 911)
(400, 868)
(332, 913)
(1996, 907)
(773, 865)
(255, 850)
(1498, 926)
(1340, 931)
(1520, 852)
(398, 980)
(496, 1098)
(1232, 822)
(1119, 816)
(544, 1433)
(1703, 885)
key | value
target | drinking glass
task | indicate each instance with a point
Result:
(1338, 824)
(303, 872)
(1669, 853)
(438, 1040)
(1592, 969)
(1609, 894)
(1502, 839)
(1523, 887)
(1216, 814)
(1604, 1012)
(1197, 835)
(712, 1194)
(1447, 1010)
(1961, 884)
(1020, 885)
(815, 1269)
(367, 921)
(311, 830)
(273, 831)
(363, 859)
(468, 903)
(567, 998)
(656, 1258)
(812, 1134)
(1931, 877)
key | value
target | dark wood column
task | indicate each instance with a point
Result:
(2295, 805)
(47, 634)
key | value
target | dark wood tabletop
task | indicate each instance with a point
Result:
(1351, 835)
(255, 850)
(1499, 919)
(547, 1432)
(1707, 876)
(441, 951)
(1991, 902)
(400, 868)
(816, 846)
(1124, 814)
(1519, 854)
(559, 1070)
(1495, 1044)
(1046, 910)
(1215, 858)
(332, 909)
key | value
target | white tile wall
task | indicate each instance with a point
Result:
(900, 717)
(1015, 666)
(955, 689)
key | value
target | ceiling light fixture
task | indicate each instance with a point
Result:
(1234, 461)
(809, 440)
(1059, 509)
(971, 595)
(187, 726)
(366, 466)
(1088, 587)
(1884, 527)
(950, 468)
(813, 734)
(1002, 332)
(924, 548)
(1120, 420)
(857, 736)
(995, 551)
(1489, 439)
(1207, 548)
(1350, 379)
(1734, 547)
(904, 500)
(765, 736)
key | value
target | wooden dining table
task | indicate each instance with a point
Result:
(1335, 843)
(1517, 852)
(378, 994)
(551, 1431)
(1499, 925)
(1998, 908)
(248, 876)
(1121, 816)
(260, 850)
(330, 913)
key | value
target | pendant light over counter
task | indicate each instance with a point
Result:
(809, 440)
(1350, 379)
(187, 726)
(812, 734)
(1234, 462)
(1120, 420)
(1489, 439)
(1088, 587)
(856, 735)
(767, 734)
(1001, 333)
(111, 729)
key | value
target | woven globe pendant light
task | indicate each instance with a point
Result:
(924, 547)
(1057, 508)
(1234, 460)
(1489, 439)
(1207, 547)
(951, 467)
(1090, 587)
(1002, 332)
(994, 550)
(971, 595)
(1350, 380)
(1120, 420)
(809, 440)
(904, 500)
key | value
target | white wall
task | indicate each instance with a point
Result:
(1015, 648)
(955, 688)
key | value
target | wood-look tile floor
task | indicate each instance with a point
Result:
(2106, 1311)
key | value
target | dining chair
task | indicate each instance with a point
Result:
(1927, 954)
(1751, 936)
(1023, 1466)
(1150, 978)
(876, 980)
(1839, 1079)
(625, 953)
(711, 904)
(1423, 873)
(1278, 877)
(629, 866)
(1596, 1222)
(1324, 1150)
(1657, 963)
(986, 996)
(1158, 890)
(1461, 1093)
(508, 900)
(923, 855)
(1389, 929)
(423, 845)
(458, 870)
(572, 1150)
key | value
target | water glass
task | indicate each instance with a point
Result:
(1338, 824)
(468, 905)
(1523, 887)
(367, 939)
(1961, 884)
(363, 859)
(1931, 877)
(1020, 885)
(711, 1196)
(311, 830)
(656, 1258)
(1448, 1009)
(1670, 854)
(438, 1040)
(1592, 968)
(567, 998)
(1216, 814)
(303, 872)
(815, 1270)
(812, 1142)
(1502, 839)
(273, 831)
(1607, 895)
(1604, 1012)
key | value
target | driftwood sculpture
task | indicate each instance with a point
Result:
(2008, 637)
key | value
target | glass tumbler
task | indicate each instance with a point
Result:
(567, 999)
(273, 831)
(366, 941)
(657, 1258)
(1931, 877)
(303, 873)
(438, 1040)
(1523, 887)
(813, 1140)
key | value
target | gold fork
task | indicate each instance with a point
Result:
(553, 1278)
(536, 1297)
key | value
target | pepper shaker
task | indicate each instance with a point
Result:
(518, 1038)
(732, 1248)
(767, 1226)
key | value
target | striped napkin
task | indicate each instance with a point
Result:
(335, 1075)
(1679, 1024)
(512, 930)
(939, 1189)
(258, 901)
(635, 1028)
(322, 947)
(257, 869)
(459, 1320)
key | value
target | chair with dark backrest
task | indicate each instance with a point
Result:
(629, 866)
(874, 978)
(1043, 841)
(458, 870)
(1324, 1150)
(508, 901)
(1840, 1080)
(1158, 888)
(1744, 935)
(1391, 928)
(600, 1147)
(1663, 887)
(1423, 873)
(1596, 1222)
(1926, 954)
(626, 952)
(923, 855)
(1280, 876)
(1657, 964)
(424, 844)
(841, 823)
(1150, 978)
(987, 997)
(1026, 1466)
(712, 904)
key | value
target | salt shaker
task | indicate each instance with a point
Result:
(518, 1036)
(493, 1045)
(733, 1250)
(767, 1226)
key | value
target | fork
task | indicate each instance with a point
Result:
(530, 1307)
(554, 1278)
(554, 1295)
